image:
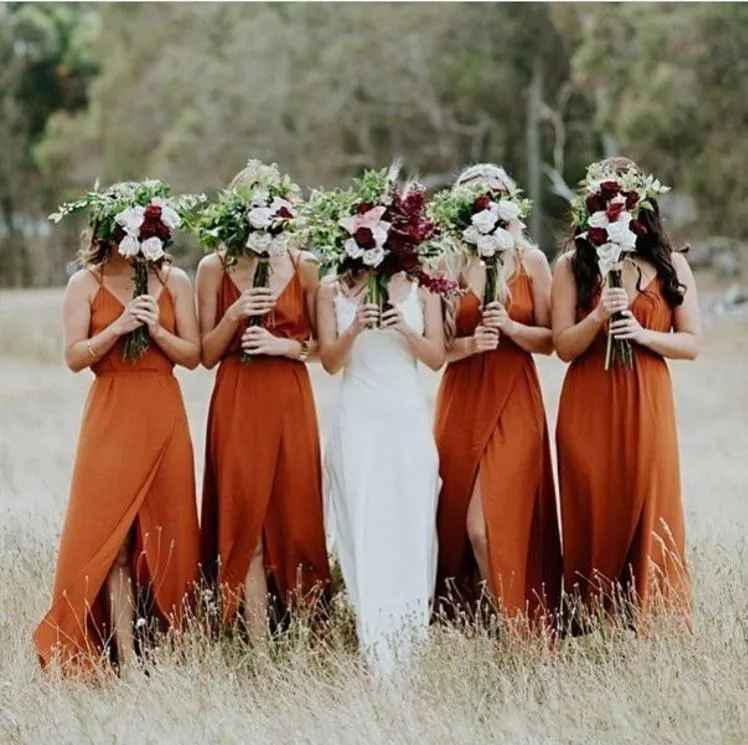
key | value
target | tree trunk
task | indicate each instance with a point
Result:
(534, 156)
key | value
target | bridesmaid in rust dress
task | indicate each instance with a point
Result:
(497, 520)
(130, 539)
(623, 528)
(262, 523)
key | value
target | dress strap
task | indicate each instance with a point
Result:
(97, 275)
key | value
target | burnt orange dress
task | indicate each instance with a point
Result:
(491, 425)
(618, 472)
(133, 480)
(263, 475)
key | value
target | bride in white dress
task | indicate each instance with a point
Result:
(381, 471)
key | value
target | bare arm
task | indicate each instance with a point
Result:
(428, 347)
(571, 339)
(80, 350)
(684, 341)
(536, 338)
(309, 273)
(183, 346)
(334, 348)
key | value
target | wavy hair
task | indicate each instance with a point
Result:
(654, 247)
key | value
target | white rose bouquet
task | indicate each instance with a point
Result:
(606, 215)
(139, 218)
(255, 217)
(483, 223)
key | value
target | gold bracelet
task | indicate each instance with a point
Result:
(304, 352)
(91, 349)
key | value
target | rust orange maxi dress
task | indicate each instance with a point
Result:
(133, 479)
(618, 471)
(490, 424)
(263, 475)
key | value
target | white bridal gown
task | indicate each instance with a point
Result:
(381, 488)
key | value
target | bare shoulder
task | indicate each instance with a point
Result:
(682, 268)
(210, 264)
(536, 261)
(328, 287)
(83, 283)
(308, 269)
(178, 280)
(562, 265)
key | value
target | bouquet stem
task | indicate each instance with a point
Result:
(261, 279)
(492, 281)
(138, 341)
(618, 352)
(377, 292)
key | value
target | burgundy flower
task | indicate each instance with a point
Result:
(283, 214)
(595, 203)
(152, 227)
(632, 199)
(483, 202)
(414, 202)
(364, 207)
(597, 236)
(152, 212)
(614, 210)
(609, 189)
(364, 238)
(638, 227)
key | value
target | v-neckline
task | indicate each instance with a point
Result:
(288, 283)
(122, 305)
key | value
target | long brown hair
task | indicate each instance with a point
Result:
(654, 246)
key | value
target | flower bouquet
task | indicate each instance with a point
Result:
(139, 217)
(477, 221)
(607, 215)
(376, 227)
(254, 218)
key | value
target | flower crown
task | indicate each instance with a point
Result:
(256, 214)
(608, 209)
(138, 216)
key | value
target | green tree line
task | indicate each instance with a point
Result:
(188, 92)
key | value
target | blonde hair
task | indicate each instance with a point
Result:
(493, 177)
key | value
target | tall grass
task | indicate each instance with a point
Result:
(610, 688)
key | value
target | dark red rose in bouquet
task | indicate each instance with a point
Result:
(609, 189)
(632, 199)
(483, 202)
(638, 227)
(597, 236)
(595, 203)
(613, 210)
(364, 238)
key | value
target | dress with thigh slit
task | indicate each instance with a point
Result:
(133, 484)
(491, 426)
(263, 473)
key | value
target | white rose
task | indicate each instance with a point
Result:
(507, 210)
(374, 256)
(487, 246)
(619, 232)
(259, 242)
(380, 233)
(260, 217)
(260, 197)
(129, 246)
(353, 249)
(485, 220)
(598, 219)
(278, 204)
(130, 220)
(471, 235)
(152, 248)
(608, 255)
(169, 216)
(504, 239)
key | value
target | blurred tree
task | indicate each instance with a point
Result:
(47, 62)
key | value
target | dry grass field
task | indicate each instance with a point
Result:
(667, 689)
